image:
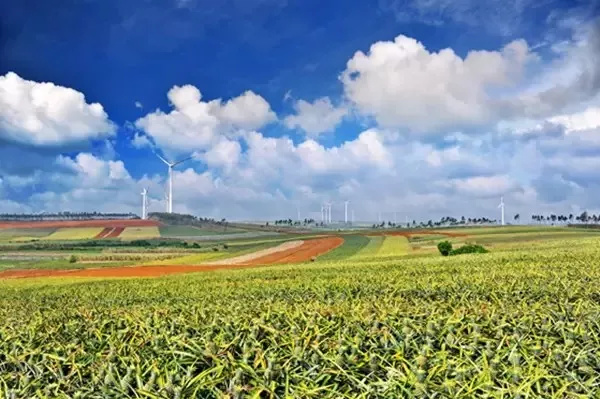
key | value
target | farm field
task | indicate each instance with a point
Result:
(74, 233)
(193, 231)
(136, 233)
(362, 320)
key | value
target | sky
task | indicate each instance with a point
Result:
(413, 109)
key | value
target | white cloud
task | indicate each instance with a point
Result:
(248, 111)
(482, 186)
(225, 154)
(44, 114)
(194, 124)
(584, 120)
(314, 118)
(141, 141)
(402, 84)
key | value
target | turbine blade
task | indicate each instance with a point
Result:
(162, 159)
(183, 160)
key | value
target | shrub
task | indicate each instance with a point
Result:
(73, 259)
(225, 246)
(469, 249)
(195, 245)
(445, 247)
(215, 249)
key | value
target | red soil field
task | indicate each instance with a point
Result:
(104, 233)
(115, 232)
(79, 223)
(302, 253)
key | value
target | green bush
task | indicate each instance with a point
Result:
(445, 247)
(469, 249)
(73, 259)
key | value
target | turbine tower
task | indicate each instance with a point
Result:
(501, 206)
(171, 165)
(329, 212)
(144, 203)
(346, 211)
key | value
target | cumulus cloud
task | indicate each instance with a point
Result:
(314, 118)
(402, 84)
(194, 124)
(584, 120)
(45, 114)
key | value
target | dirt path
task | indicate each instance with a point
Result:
(300, 253)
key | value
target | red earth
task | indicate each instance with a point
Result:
(79, 223)
(304, 252)
(115, 232)
(103, 233)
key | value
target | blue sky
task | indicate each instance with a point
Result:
(420, 107)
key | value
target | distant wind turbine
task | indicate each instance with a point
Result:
(171, 165)
(501, 206)
(144, 203)
(346, 211)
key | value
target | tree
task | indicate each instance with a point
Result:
(445, 247)
(517, 216)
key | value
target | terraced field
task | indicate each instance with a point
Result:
(19, 235)
(371, 248)
(352, 245)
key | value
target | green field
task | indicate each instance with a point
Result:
(370, 322)
(24, 234)
(193, 231)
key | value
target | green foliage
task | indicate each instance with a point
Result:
(469, 249)
(351, 246)
(445, 247)
(73, 259)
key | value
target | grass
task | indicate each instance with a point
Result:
(136, 233)
(74, 233)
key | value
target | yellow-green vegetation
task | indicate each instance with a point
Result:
(25, 234)
(191, 259)
(521, 323)
(394, 245)
(371, 248)
(74, 233)
(136, 233)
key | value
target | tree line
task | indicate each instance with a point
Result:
(26, 217)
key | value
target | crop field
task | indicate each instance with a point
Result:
(394, 246)
(352, 245)
(371, 248)
(74, 233)
(193, 231)
(363, 321)
(24, 234)
(136, 233)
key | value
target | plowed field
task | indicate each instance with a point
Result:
(302, 253)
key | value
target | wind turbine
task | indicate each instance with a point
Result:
(501, 206)
(346, 211)
(171, 165)
(328, 212)
(144, 203)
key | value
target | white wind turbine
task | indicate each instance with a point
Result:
(346, 211)
(144, 203)
(501, 206)
(171, 165)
